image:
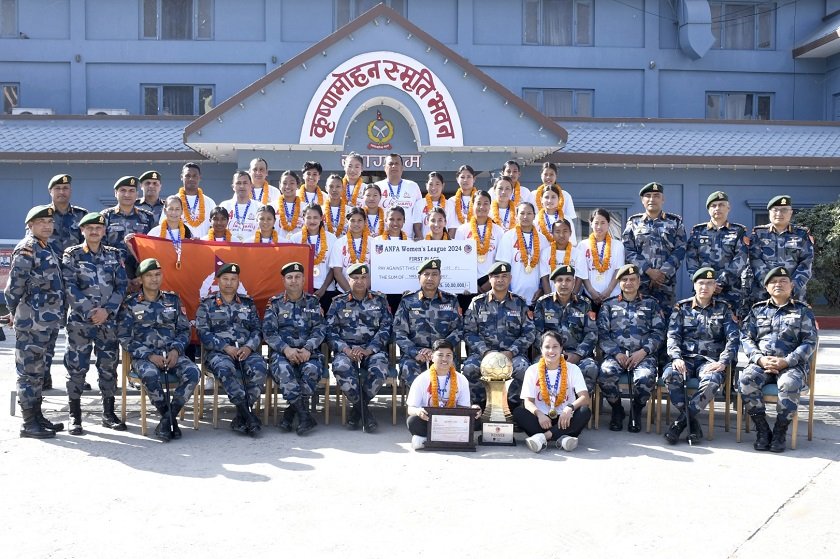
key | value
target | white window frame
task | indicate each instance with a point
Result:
(160, 89)
(574, 32)
(196, 35)
(353, 11)
(722, 95)
(538, 94)
(758, 8)
(3, 86)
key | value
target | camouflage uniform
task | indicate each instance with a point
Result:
(298, 324)
(149, 328)
(793, 249)
(156, 209)
(221, 324)
(790, 332)
(625, 327)
(118, 225)
(66, 232)
(723, 249)
(35, 298)
(492, 325)
(577, 324)
(656, 243)
(418, 322)
(708, 331)
(365, 323)
(92, 279)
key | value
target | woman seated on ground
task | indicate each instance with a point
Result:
(555, 402)
(439, 386)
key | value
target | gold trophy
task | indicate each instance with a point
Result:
(497, 427)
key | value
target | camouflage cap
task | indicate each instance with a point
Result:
(703, 273)
(783, 200)
(652, 187)
(93, 218)
(59, 179)
(778, 271)
(148, 265)
(291, 267)
(564, 270)
(430, 264)
(358, 268)
(127, 180)
(719, 196)
(39, 211)
(626, 270)
(229, 268)
(499, 267)
(149, 176)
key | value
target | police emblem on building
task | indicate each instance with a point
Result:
(380, 132)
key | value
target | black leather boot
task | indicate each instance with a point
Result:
(176, 430)
(76, 418)
(355, 418)
(779, 432)
(370, 421)
(109, 418)
(695, 435)
(240, 422)
(43, 421)
(762, 431)
(676, 429)
(617, 419)
(635, 424)
(47, 384)
(31, 428)
(252, 422)
(305, 420)
(163, 431)
(287, 423)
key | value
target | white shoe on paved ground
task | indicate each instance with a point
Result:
(418, 442)
(567, 443)
(536, 442)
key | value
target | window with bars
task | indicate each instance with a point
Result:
(721, 105)
(743, 26)
(557, 22)
(556, 103)
(348, 10)
(177, 19)
(11, 95)
(190, 100)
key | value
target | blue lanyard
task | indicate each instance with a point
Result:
(399, 188)
(241, 221)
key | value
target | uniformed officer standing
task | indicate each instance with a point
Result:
(125, 219)
(702, 342)
(778, 336)
(779, 243)
(154, 329)
(359, 328)
(150, 181)
(294, 329)
(423, 317)
(654, 241)
(498, 321)
(230, 331)
(572, 316)
(35, 298)
(722, 246)
(95, 283)
(631, 329)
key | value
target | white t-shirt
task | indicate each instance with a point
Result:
(243, 220)
(273, 194)
(405, 194)
(420, 393)
(574, 261)
(531, 385)
(546, 221)
(419, 214)
(198, 231)
(587, 267)
(312, 198)
(340, 257)
(464, 232)
(524, 284)
(324, 266)
(289, 209)
(452, 221)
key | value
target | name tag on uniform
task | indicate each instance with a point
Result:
(793, 243)
(417, 311)
(718, 316)
(444, 308)
(549, 315)
(704, 240)
(483, 315)
(618, 311)
(513, 314)
(347, 313)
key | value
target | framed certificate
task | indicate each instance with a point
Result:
(451, 429)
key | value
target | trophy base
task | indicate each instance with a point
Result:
(496, 434)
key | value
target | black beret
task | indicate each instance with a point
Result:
(148, 265)
(149, 175)
(719, 196)
(564, 270)
(39, 211)
(703, 273)
(358, 268)
(126, 181)
(229, 268)
(652, 187)
(93, 218)
(499, 267)
(627, 269)
(430, 264)
(291, 267)
(775, 272)
(783, 200)
(60, 179)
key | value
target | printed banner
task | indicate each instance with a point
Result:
(260, 278)
(394, 265)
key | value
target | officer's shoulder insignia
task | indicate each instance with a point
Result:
(699, 226)
(635, 216)
(685, 301)
(673, 216)
(740, 226)
(765, 227)
(75, 248)
(613, 298)
(546, 296)
(339, 297)
(208, 297)
(79, 210)
(148, 213)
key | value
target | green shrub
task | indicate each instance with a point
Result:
(824, 223)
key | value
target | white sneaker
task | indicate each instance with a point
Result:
(567, 443)
(536, 442)
(418, 442)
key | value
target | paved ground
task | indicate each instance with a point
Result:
(215, 494)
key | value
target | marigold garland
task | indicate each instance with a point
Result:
(322, 250)
(164, 229)
(482, 246)
(319, 198)
(354, 199)
(285, 225)
(430, 203)
(538, 198)
(258, 236)
(211, 236)
(494, 213)
(338, 228)
(192, 222)
(386, 237)
(542, 376)
(445, 236)
(263, 195)
(453, 386)
(351, 249)
(601, 266)
(380, 221)
(567, 256)
(535, 248)
(459, 211)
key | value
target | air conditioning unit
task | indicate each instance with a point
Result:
(110, 112)
(31, 111)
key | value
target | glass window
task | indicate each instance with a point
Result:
(555, 103)
(738, 106)
(743, 26)
(177, 19)
(10, 96)
(557, 22)
(348, 10)
(8, 18)
(177, 99)
(761, 217)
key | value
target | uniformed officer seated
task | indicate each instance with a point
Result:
(231, 333)
(778, 336)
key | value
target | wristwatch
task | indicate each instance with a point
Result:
(571, 406)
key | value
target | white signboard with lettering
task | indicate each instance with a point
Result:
(394, 264)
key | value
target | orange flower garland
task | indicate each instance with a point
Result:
(601, 266)
(164, 229)
(285, 225)
(494, 213)
(380, 220)
(481, 246)
(567, 256)
(430, 203)
(263, 194)
(560, 397)
(523, 250)
(386, 237)
(338, 228)
(538, 197)
(444, 238)
(258, 237)
(319, 199)
(458, 202)
(212, 236)
(322, 251)
(351, 250)
(453, 386)
(354, 199)
(182, 194)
